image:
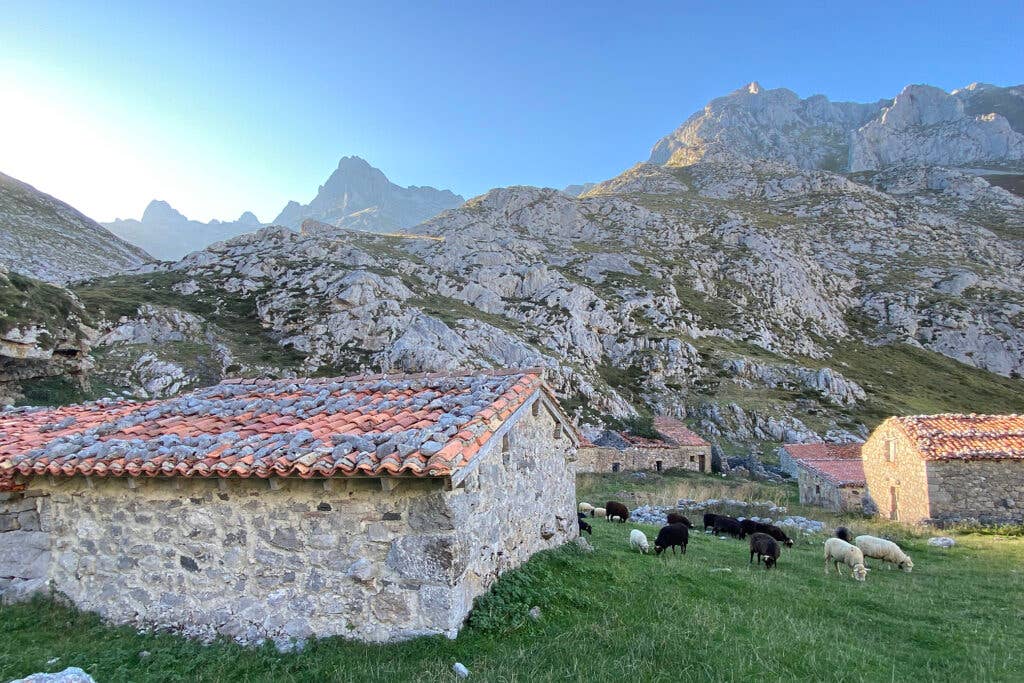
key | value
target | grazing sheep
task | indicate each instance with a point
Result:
(586, 508)
(837, 550)
(751, 527)
(764, 546)
(616, 510)
(844, 534)
(670, 536)
(582, 519)
(638, 540)
(728, 525)
(597, 512)
(709, 520)
(884, 550)
(677, 518)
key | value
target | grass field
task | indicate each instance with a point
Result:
(617, 615)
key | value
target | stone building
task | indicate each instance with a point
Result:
(837, 485)
(375, 508)
(678, 448)
(792, 453)
(945, 468)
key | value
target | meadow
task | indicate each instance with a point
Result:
(613, 614)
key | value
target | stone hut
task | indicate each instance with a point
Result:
(375, 508)
(791, 454)
(947, 468)
(621, 452)
(837, 485)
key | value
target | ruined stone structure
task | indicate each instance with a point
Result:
(945, 468)
(371, 508)
(678, 448)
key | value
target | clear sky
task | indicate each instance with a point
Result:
(224, 107)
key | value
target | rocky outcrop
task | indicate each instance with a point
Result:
(44, 238)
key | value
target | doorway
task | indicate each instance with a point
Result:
(894, 504)
(657, 465)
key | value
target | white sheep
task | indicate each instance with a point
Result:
(884, 550)
(638, 540)
(598, 512)
(586, 508)
(838, 550)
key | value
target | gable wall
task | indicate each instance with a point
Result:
(906, 475)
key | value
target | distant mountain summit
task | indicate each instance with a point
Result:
(45, 238)
(169, 235)
(978, 125)
(359, 196)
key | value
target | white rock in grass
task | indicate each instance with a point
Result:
(72, 674)
(941, 541)
(460, 670)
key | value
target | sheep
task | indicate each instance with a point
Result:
(638, 540)
(678, 518)
(751, 527)
(709, 521)
(844, 534)
(582, 519)
(729, 526)
(616, 510)
(586, 508)
(597, 512)
(670, 536)
(884, 550)
(837, 550)
(764, 546)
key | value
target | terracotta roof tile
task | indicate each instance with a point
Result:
(676, 432)
(807, 452)
(844, 472)
(295, 427)
(965, 437)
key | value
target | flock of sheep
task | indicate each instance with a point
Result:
(765, 539)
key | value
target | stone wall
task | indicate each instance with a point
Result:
(898, 487)
(989, 491)
(24, 547)
(603, 459)
(289, 558)
(816, 490)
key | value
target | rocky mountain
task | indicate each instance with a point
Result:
(45, 238)
(358, 196)
(168, 235)
(978, 125)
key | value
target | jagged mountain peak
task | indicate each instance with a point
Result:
(159, 210)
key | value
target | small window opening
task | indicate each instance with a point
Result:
(890, 445)
(657, 465)
(616, 466)
(817, 489)
(558, 431)
(693, 459)
(536, 408)
(506, 444)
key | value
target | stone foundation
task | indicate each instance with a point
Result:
(290, 558)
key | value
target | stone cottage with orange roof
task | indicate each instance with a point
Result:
(677, 448)
(946, 468)
(375, 508)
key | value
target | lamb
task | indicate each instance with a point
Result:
(764, 546)
(597, 512)
(750, 527)
(638, 540)
(844, 533)
(709, 521)
(670, 536)
(728, 525)
(586, 508)
(677, 518)
(616, 510)
(837, 550)
(884, 550)
(582, 519)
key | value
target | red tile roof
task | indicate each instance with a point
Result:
(806, 452)
(965, 437)
(676, 432)
(420, 425)
(844, 472)
(643, 441)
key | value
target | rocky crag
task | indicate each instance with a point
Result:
(44, 238)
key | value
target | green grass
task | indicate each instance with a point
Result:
(617, 615)
(27, 301)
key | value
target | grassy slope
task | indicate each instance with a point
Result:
(618, 615)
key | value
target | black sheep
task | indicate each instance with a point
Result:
(583, 524)
(764, 546)
(844, 534)
(613, 509)
(752, 527)
(670, 536)
(729, 526)
(676, 518)
(709, 521)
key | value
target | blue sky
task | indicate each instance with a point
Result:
(224, 107)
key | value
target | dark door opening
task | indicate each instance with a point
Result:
(615, 466)
(894, 504)
(657, 464)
